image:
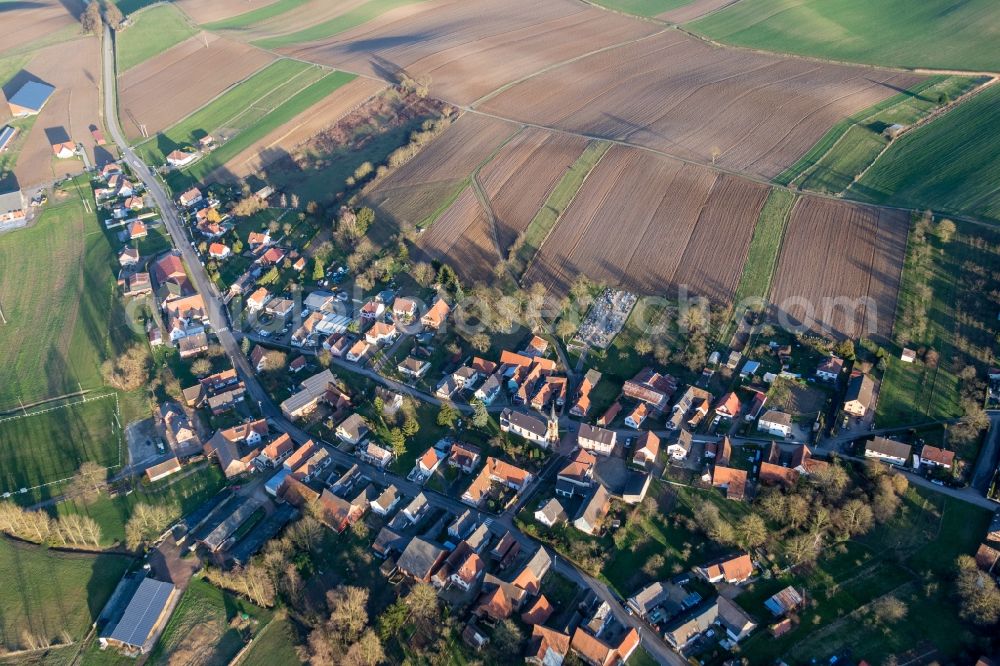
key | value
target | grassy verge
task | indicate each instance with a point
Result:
(255, 16)
(277, 117)
(346, 21)
(52, 596)
(545, 219)
(765, 244)
(152, 31)
(892, 32)
(275, 645)
(854, 143)
(948, 165)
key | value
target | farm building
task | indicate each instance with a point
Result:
(146, 613)
(30, 99)
(163, 469)
(6, 136)
(784, 601)
(12, 208)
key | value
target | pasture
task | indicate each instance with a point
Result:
(647, 8)
(233, 15)
(56, 291)
(856, 142)
(202, 626)
(839, 268)
(51, 596)
(470, 49)
(275, 645)
(198, 69)
(932, 33)
(352, 18)
(765, 244)
(49, 443)
(152, 31)
(752, 112)
(950, 165)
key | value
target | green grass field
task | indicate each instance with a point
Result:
(49, 595)
(152, 31)
(186, 492)
(276, 645)
(932, 33)
(856, 142)
(50, 446)
(201, 626)
(913, 392)
(255, 16)
(950, 165)
(57, 293)
(545, 219)
(762, 257)
(346, 21)
(646, 8)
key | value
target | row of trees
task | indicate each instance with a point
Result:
(92, 18)
(38, 527)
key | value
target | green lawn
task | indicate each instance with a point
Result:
(350, 19)
(856, 142)
(646, 8)
(186, 493)
(913, 392)
(762, 257)
(255, 16)
(50, 446)
(51, 596)
(950, 165)
(152, 31)
(56, 291)
(286, 109)
(276, 645)
(545, 219)
(202, 625)
(932, 33)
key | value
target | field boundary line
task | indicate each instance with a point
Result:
(85, 399)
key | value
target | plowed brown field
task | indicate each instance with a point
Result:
(749, 111)
(216, 10)
(421, 186)
(651, 224)
(461, 237)
(836, 250)
(74, 68)
(189, 74)
(472, 47)
(307, 124)
(27, 23)
(523, 174)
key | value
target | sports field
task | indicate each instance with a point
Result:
(152, 31)
(856, 142)
(52, 596)
(326, 29)
(49, 444)
(930, 33)
(951, 165)
(56, 291)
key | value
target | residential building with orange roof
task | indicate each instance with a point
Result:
(775, 475)
(300, 455)
(736, 569)
(470, 571)
(596, 652)
(648, 449)
(539, 612)
(494, 604)
(638, 416)
(495, 471)
(463, 456)
(547, 647)
(436, 315)
(728, 405)
(278, 449)
(733, 480)
(932, 455)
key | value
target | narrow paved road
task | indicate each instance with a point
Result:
(653, 643)
(989, 457)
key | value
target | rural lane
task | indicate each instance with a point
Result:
(219, 321)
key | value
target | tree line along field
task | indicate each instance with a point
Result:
(838, 250)
(671, 92)
(931, 33)
(152, 31)
(51, 596)
(198, 69)
(853, 144)
(950, 165)
(470, 48)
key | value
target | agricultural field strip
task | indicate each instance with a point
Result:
(242, 109)
(255, 16)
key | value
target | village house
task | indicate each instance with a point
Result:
(581, 405)
(530, 427)
(489, 390)
(609, 415)
(932, 455)
(359, 351)
(651, 387)
(129, 256)
(190, 197)
(593, 510)
(404, 310)
(352, 430)
(888, 450)
(278, 450)
(257, 240)
(387, 501)
(596, 439)
(321, 388)
(775, 423)
(163, 470)
(728, 406)
(373, 454)
(577, 477)
(180, 158)
(428, 463)
(775, 475)
(178, 431)
(551, 513)
(694, 400)
(638, 416)
(235, 448)
(186, 316)
(734, 481)
(413, 367)
(681, 632)
(734, 570)
(680, 448)
(596, 652)
(829, 370)
(436, 315)
(416, 509)
(496, 471)
(219, 251)
(381, 333)
(372, 310)
(464, 457)
(860, 392)
(648, 449)
(734, 620)
(539, 612)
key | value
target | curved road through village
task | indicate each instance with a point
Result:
(651, 641)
